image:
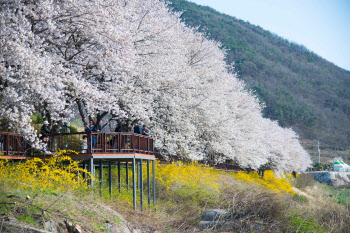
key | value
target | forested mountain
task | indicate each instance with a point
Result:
(299, 88)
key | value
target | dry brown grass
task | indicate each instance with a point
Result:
(331, 216)
(304, 180)
(179, 209)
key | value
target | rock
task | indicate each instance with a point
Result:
(214, 225)
(216, 214)
(69, 226)
(48, 225)
(229, 225)
(257, 225)
(210, 225)
(72, 228)
(14, 226)
(216, 219)
(335, 179)
(78, 229)
(110, 227)
(61, 228)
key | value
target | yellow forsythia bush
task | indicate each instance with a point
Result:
(192, 174)
(269, 181)
(58, 172)
(197, 175)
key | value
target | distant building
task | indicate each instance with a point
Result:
(340, 166)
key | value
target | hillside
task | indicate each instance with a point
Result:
(299, 88)
(58, 202)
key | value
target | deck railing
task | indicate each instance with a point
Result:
(103, 143)
(82, 143)
(13, 144)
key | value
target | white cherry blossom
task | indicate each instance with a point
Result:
(134, 59)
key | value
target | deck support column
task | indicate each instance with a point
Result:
(110, 177)
(84, 167)
(148, 184)
(101, 177)
(134, 183)
(91, 170)
(154, 182)
(127, 174)
(141, 186)
(138, 174)
(119, 178)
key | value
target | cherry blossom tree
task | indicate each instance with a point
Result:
(122, 60)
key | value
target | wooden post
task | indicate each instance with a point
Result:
(7, 144)
(132, 143)
(139, 142)
(148, 146)
(103, 142)
(62, 141)
(119, 142)
(89, 138)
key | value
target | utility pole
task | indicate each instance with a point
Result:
(318, 150)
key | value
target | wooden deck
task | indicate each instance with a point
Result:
(104, 145)
(13, 146)
(95, 150)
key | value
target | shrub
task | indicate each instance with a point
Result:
(187, 189)
(300, 198)
(57, 173)
(306, 225)
(304, 180)
(269, 181)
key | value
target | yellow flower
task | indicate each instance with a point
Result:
(269, 181)
(58, 173)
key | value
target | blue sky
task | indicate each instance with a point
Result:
(323, 26)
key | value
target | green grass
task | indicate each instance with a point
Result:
(306, 225)
(28, 219)
(52, 192)
(340, 196)
(300, 198)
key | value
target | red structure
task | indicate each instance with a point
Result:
(81, 145)
(94, 150)
(13, 146)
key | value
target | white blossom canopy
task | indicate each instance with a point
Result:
(134, 59)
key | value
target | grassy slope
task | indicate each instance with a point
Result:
(299, 88)
(181, 202)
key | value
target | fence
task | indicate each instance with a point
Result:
(13, 144)
(83, 143)
(106, 143)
